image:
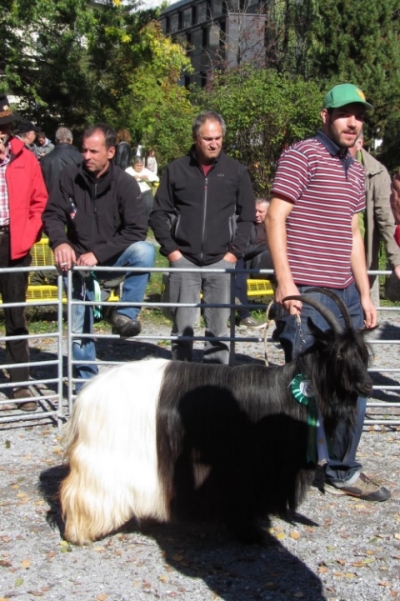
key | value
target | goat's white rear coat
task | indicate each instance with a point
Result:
(113, 453)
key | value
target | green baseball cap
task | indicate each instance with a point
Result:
(343, 94)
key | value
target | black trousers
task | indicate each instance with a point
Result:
(13, 290)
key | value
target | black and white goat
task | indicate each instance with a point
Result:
(164, 439)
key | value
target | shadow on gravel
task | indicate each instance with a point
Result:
(207, 551)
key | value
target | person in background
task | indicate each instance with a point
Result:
(144, 177)
(395, 204)
(208, 199)
(44, 146)
(151, 162)
(23, 197)
(378, 218)
(123, 152)
(95, 216)
(315, 241)
(64, 154)
(257, 256)
(26, 132)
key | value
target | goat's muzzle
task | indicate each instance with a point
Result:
(364, 388)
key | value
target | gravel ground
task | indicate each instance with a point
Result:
(334, 548)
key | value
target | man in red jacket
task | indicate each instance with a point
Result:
(23, 197)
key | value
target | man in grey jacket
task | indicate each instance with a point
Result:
(378, 219)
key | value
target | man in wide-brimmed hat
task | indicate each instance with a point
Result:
(23, 197)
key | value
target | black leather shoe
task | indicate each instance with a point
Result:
(125, 327)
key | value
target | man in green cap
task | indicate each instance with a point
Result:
(315, 241)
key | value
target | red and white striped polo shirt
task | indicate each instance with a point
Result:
(325, 195)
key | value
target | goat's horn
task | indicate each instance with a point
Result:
(336, 299)
(325, 312)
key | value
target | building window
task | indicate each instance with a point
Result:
(197, 41)
(187, 18)
(180, 21)
(218, 8)
(202, 12)
(167, 25)
(174, 23)
(194, 15)
(205, 37)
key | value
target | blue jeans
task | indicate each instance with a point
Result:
(185, 287)
(343, 446)
(138, 254)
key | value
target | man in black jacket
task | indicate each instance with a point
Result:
(95, 216)
(64, 154)
(208, 199)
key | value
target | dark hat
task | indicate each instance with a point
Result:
(7, 115)
(25, 126)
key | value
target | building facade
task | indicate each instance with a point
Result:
(217, 33)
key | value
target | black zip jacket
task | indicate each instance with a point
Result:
(204, 216)
(100, 215)
(53, 163)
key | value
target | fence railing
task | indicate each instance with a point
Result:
(52, 363)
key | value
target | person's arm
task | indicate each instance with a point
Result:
(151, 177)
(245, 211)
(55, 213)
(160, 218)
(384, 217)
(55, 220)
(275, 226)
(395, 198)
(37, 205)
(359, 269)
(133, 223)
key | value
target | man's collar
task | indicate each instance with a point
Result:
(193, 155)
(329, 144)
(335, 150)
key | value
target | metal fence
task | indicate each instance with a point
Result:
(52, 363)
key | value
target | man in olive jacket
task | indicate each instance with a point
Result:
(378, 219)
(202, 217)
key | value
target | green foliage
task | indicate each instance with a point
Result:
(75, 62)
(264, 113)
(155, 106)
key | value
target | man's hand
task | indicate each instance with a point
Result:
(230, 258)
(87, 260)
(175, 256)
(370, 313)
(64, 257)
(397, 271)
(293, 307)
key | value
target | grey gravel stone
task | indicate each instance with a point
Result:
(334, 548)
